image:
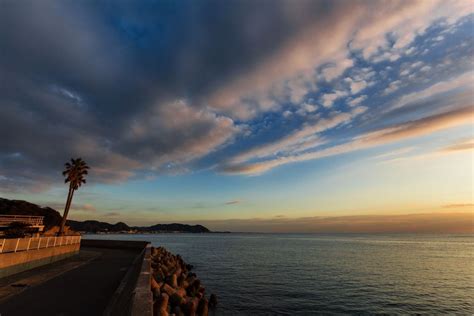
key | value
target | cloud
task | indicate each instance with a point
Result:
(382, 136)
(419, 127)
(233, 202)
(357, 101)
(406, 21)
(307, 108)
(394, 153)
(356, 86)
(297, 141)
(329, 98)
(392, 87)
(134, 97)
(111, 214)
(425, 156)
(463, 81)
(336, 68)
(390, 56)
(459, 146)
(84, 208)
(405, 72)
(176, 133)
(316, 44)
(459, 205)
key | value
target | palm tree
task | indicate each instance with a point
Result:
(75, 174)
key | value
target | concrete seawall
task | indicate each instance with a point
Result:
(117, 282)
(133, 295)
(142, 302)
(15, 262)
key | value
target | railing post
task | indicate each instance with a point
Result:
(47, 242)
(28, 247)
(55, 241)
(3, 245)
(17, 243)
(39, 242)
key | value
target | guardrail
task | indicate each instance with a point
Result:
(32, 243)
(6, 220)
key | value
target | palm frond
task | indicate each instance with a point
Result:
(75, 171)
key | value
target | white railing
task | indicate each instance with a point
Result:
(33, 243)
(6, 220)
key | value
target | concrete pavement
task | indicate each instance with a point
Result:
(82, 290)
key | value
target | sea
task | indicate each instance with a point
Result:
(328, 274)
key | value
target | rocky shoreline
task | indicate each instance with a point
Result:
(177, 290)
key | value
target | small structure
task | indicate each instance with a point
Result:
(31, 250)
(34, 222)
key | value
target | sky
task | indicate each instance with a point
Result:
(287, 116)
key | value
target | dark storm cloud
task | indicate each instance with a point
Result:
(191, 47)
(105, 81)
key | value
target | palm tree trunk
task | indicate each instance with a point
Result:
(66, 210)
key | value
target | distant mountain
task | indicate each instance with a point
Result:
(96, 226)
(53, 218)
(174, 228)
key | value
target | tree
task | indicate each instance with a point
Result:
(75, 173)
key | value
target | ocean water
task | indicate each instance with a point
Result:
(311, 274)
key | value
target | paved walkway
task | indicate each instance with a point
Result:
(84, 289)
(17, 283)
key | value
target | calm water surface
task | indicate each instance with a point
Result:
(308, 274)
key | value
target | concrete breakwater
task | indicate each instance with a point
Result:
(176, 290)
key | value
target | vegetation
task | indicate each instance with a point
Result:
(75, 173)
(96, 226)
(19, 230)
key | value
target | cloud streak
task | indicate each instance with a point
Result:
(459, 146)
(233, 202)
(460, 205)
(379, 137)
(411, 223)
